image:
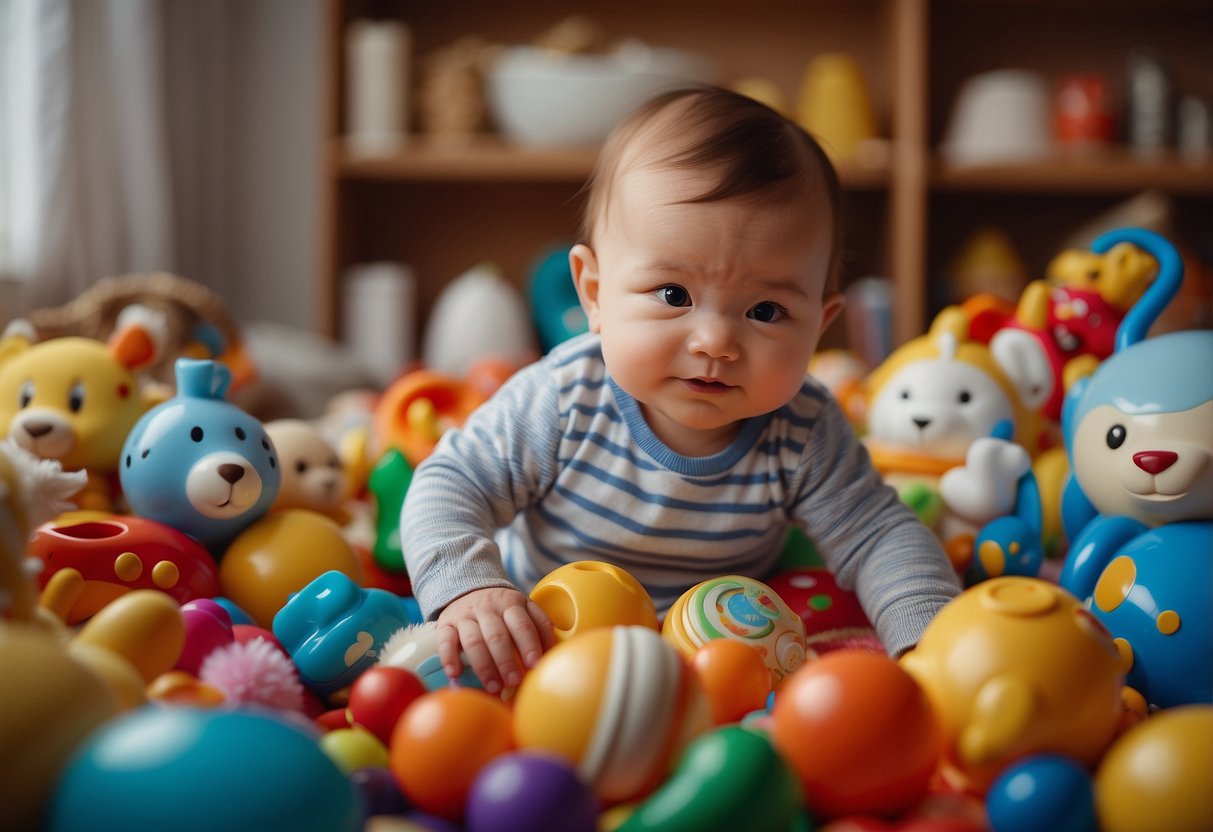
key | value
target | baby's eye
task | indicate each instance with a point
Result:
(674, 295)
(767, 312)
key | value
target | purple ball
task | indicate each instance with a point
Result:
(525, 791)
(380, 794)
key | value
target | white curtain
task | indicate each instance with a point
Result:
(86, 189)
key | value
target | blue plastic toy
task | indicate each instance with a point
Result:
(193, 770)
(199, 463)
(554, 305)
(1048, 791)
(1139, 507)
(335, 629)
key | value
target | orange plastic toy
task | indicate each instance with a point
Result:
(441, 743)
(418, 408)
(860, 733)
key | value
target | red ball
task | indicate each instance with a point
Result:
(442, 741)
(859, 732)
(379, 696)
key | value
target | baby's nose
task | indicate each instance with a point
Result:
(714, 336)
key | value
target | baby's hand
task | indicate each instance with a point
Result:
(494, 627)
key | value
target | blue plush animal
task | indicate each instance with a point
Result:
(199, 463)
(1139, 510)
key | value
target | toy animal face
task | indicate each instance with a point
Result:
(1157, 467)
(202, 466)
(69, 399)
(312, 473)
(939, 407)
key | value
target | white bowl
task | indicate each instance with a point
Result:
(1000, 116)
(549, 99)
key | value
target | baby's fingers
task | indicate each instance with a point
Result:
(525, 634)
(479, 658)
(448, 651)
(500, 641)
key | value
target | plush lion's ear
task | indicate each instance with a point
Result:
(17, 337)
(139, 336)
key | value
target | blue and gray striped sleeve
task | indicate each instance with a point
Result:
(868, 538)
(502, 460)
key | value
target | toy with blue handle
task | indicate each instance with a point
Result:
(1139, 433)
(198, 463)
(1076, 509)
(335, 629)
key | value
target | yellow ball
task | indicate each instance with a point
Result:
(352, 749)
(589, 593)
(619, 703)
(279, 555)
(1156, 776)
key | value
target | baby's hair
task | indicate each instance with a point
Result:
(756, 151)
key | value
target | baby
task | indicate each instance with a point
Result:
(680, 436)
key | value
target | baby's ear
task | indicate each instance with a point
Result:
(583, 263)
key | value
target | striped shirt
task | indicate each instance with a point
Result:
(560, 466)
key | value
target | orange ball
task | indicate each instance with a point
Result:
(442, 741)
(734, 676)
(860, 733)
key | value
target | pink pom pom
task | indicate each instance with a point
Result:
(254, 672)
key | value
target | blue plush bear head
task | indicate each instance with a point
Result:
(199, 463)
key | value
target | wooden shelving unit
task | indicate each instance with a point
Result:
(442, 208)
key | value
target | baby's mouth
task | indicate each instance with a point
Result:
(706, 385)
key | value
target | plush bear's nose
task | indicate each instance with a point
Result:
(1154, 462)
(231, 472)
(38, 429)
(922, 423)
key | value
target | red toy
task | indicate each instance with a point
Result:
(120, 553)
(379, 696)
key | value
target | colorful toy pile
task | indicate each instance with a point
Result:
(239, 651)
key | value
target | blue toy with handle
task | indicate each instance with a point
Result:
(1139, 505)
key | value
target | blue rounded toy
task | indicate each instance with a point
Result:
(192, 770)
(1048, 791)
(199, 463)
(1139, 506)
(335, 629)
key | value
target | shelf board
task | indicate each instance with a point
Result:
(1102, 172)
(489, 159)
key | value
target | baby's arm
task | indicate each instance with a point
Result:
(870, 540)
(494, 627)
(476, 481)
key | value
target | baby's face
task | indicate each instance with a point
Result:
(708, 312)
